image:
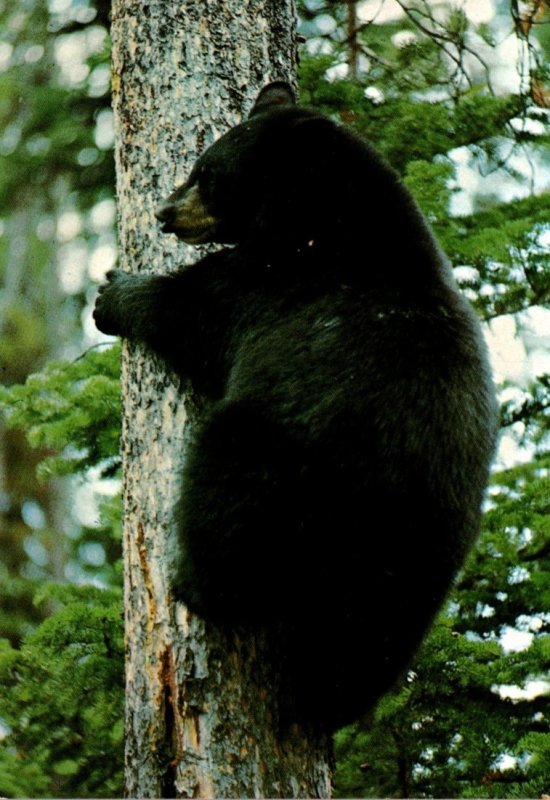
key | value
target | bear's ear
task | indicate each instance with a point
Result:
(272, 96)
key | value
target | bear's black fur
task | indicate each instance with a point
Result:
(332, 487)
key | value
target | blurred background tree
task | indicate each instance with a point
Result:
(56, 220)
(456, 96)
(61, 689)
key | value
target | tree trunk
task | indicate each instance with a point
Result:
(353, 46)
(200, 721)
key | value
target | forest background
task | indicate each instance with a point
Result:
(456, 96)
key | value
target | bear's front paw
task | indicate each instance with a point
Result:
(109, 308)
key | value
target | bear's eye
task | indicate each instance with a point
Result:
(205, 177)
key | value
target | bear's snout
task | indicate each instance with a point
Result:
(165, 212)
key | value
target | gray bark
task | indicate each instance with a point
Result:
(200, 712)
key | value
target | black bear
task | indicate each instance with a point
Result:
(333, 482)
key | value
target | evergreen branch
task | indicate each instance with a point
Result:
(458, 41)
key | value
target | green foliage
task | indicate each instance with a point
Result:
(97, 550)
(50, 122)
(21, 344)
(531, 411)
(444, 734)
(17, 597)
(61, 692)
(504, 244)
(73, 409)
(71, 414)
(430, 184)
(62, 696)
(432, 129)
(435, 728)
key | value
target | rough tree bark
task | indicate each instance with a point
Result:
(199, 716)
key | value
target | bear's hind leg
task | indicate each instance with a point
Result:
(239, 518)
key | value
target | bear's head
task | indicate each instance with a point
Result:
(284, 176)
